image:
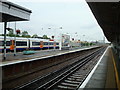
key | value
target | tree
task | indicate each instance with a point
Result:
(17, 35)
(11, 33)
(28, 36)
(34, 36)
(91, 44)
(1, 34)
(25, 34)
(45, 37)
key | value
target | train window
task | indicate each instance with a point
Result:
(45, 43)
(7, 43)
(2, 43)
(21, 43)
(50, 43)
(35, 43)
(57, 43)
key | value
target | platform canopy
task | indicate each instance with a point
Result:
(13, 12)
(107, 13)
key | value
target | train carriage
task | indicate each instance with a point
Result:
(8, 39)
(43, 44)
(21, 43)
(27, 43)
(38, 44)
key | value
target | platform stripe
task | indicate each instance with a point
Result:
(116, 72)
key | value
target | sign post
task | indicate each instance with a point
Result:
(65, 41)
(60, 44)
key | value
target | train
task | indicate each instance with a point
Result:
(27, 43)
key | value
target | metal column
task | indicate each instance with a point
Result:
(5, 25)
(15, 41)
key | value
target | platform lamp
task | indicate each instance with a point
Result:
(72, 39)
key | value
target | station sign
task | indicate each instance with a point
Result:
(65, 40)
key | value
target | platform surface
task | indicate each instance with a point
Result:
(103, 74)
(11, 59)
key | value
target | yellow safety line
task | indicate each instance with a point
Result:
(116, 72)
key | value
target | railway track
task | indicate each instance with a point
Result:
(46, 70)
(69, 77)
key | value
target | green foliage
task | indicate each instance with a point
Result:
(34, 36)
(45, 37)
(28, 36)
(87, 44)
(17, 35)
(91, 44)
(1, 34)
(11, 33)
(25, 34)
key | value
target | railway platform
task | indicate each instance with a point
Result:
(104, 75)
(19, 58)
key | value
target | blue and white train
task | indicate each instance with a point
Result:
(27, 43)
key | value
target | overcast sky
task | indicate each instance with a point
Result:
(73, 16)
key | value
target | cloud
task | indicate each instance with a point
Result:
(88, 26)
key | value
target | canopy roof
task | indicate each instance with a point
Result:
(108, 17)
(13, 12)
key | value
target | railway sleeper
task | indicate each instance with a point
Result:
(69, 84)
(64, 87)
(74, 79)
(77, 75)
(70, 81)
(81, 73)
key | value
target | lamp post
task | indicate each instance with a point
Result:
(53, 37)
(48, 42)
(60, 43)
(83, 40)
(76, 36)
(83, 37)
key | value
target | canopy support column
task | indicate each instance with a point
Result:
(5, 25)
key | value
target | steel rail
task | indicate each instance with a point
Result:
(36, 82)
(49, 85)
